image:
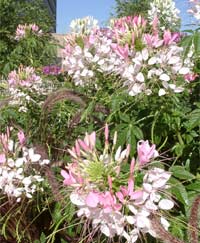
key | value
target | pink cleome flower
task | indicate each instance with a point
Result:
(110, 197)
(24, 77)
(23, 30)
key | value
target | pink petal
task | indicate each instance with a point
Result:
(92, 139)
(137, 195)
(2, 158)
(106, 132)
(92, 199)
(83, 145)
(21, 137)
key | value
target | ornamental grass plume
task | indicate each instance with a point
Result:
(63, 94)
(162, 233)
(19, 177)
(117, 198)
(193, 229)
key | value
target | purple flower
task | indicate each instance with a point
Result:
(51, 70)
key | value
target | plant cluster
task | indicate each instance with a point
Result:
(106, 147)
(20, 18)
(18, 176)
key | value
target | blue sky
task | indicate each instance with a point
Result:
(68, 10)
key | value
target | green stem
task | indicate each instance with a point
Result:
(180, 138)
(153, 127)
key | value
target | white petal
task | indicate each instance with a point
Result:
(33, 157)
(117, 154)
(19, 162)
(164, 223)
(130, 219)
(152, 60)
(172, 86)
(161, 92)
(142, 222)
(166, 204)
(173, 60)
(10, 145)
(105, 230)
(126, 236)
(26, 181)
(134, 235)
(140, 77)
(178, 89)
(164, 77)
(147, 187)
(83, 211)
(132, 209)
(184, 70)
(145, 54)
(77, 199)
(150, 205)
(45, 162)
(29, 195)
(11, 162)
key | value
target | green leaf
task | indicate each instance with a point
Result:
(57, 215)
(194, 186)
(88, 111)
(180, 173)
(42, 238)
(131, 140)
(177, 227)
(80, 42)
(179, 191)
(178, 148)
(138, 132)
(193, 119)
(121, 134)
(124, 117)
(186, 43)
(196, 40)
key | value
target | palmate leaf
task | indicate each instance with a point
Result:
(180, 173)
(196, 41)
(179, 192)
(194, 186)
(186, 44)
(193, 38)
(193, 119)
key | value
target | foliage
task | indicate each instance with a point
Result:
(13, 53)
(131, 7)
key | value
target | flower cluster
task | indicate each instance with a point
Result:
(23, 82)
(128, 28)
(167, 14)
(23, 30)
(84, 25)
(24, 77)
(116, 200)
(145, 62)
(19, 176)
(195, 9)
